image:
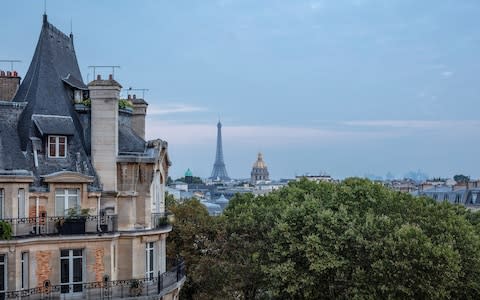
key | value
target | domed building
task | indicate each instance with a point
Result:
(259, 170)
(189, 176)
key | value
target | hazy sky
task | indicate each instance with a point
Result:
(348, 87)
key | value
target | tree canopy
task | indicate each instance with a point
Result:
(460, 178)
(355, 239)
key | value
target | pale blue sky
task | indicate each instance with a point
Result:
(348, 87)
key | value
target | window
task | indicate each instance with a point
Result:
(21, 204)
(457, 198)
(66, 199)
(445, 197)
(24, 263)
(57, 146)
(149, 247)
(114, 254)
(3, 275)
(71, 271)
(2, 197)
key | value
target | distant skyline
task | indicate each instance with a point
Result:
(346, 87)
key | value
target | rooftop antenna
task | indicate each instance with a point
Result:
(142, 90)
(44, 7)
(10, 61)
(71, 25)
(100, 67)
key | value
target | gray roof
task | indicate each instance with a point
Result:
(74, 82)
(129, 141)
(46, 94)
(54, 125)
(446, 193)
(43, 87)
(11, 157)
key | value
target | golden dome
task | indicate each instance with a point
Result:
(260, 164)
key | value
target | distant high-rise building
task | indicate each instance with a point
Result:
(259, 170)
(219, 171)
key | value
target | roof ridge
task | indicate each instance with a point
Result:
(57, 31)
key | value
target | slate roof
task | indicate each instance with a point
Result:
(47, 95)
(11, 158)
(44, 106)
(58, 125)
(43, 87)
(75, 82)
(129, 141)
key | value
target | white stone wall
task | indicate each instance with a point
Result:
(104, 133)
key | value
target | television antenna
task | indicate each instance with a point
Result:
(141, 90)
(102, 67)
(11, 61)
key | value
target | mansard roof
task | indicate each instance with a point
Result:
(47, 86)
(11, 158)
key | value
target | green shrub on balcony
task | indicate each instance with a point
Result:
(5, 230)
(125, 104)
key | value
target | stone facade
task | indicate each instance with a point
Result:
(9, 83)
(80, 188)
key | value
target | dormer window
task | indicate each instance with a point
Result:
(77, 96)
(57, 146)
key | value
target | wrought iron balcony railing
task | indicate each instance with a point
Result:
(162, 220)
(30, 227)
(117, 289)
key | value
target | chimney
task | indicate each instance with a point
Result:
(138, 116)
(9, 83)
(104, 95)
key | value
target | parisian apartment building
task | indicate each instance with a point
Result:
(82, 211)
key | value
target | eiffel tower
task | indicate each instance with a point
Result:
(219, 171)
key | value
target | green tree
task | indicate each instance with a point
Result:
(460, 178)
(195, 180)
(360, 240)
(195, 237)
(355, 239)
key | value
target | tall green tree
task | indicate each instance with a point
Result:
(460, 178)
(355, 239)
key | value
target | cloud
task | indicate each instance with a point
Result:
(198, 134)
(447, 73)
(416, 124)
(317, 5)
(174, 109)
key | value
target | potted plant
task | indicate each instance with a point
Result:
(135, 288)
(5, 230)
(74, 222)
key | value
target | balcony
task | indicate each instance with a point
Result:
(58, 225)
(151, 288)
(162, 220)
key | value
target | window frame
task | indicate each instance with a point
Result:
(24, 265)
(56, 143)
(2, 203)
(22, 203)
(149, 260)
(65, 199)
(4, 263)
(71, 265)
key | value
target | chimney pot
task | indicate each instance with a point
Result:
(110, 77)
(15, 74)
(129, 97)
(2, 73)
(9, 74)
(134, 96)
(99, 77)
